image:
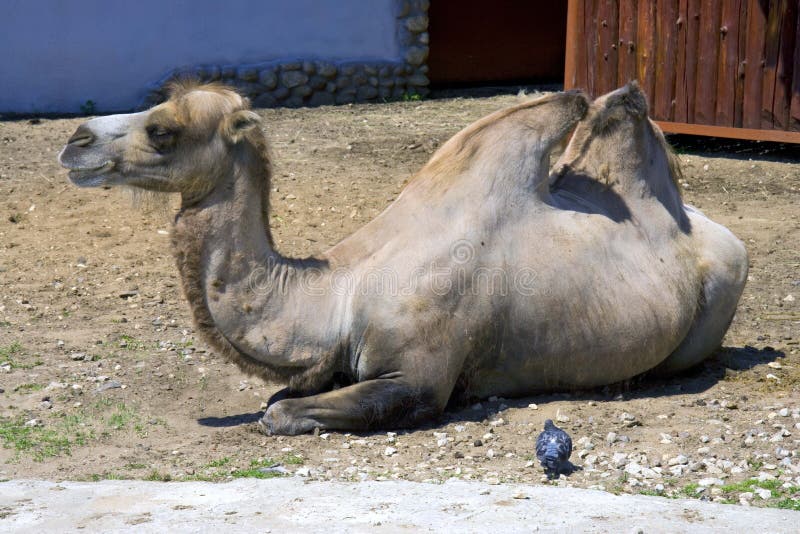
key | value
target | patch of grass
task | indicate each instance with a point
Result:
(689, 490)
(293, 459)
(412, 97)
(15, 355)
(156, 476)
(28, 388)
(131, 343)
(786, 504)
(255, 470)
(134, 466)
(121, 417)
(42, 441)
(651, 493)
(222, 462)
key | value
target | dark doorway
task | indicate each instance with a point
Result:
(476, 41)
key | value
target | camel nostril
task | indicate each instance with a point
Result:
(81, 137)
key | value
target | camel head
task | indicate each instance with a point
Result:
(184, 145)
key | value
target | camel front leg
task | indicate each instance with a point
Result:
(379, 403)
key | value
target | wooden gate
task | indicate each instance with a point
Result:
(728, 68)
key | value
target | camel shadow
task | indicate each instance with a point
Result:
(726, 363)
(230, 420)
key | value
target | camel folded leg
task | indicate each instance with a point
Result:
(378, 403)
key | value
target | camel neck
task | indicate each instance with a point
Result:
(247, 299)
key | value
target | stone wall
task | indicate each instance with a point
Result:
(313, 82)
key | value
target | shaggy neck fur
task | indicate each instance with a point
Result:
(243, 294)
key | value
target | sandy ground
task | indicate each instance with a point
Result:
(101, 375)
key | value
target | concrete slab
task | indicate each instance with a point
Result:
(292, 505)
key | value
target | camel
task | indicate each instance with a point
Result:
(488, 275)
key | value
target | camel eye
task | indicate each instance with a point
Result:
(160, 136)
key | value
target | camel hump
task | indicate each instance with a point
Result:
(513, 141)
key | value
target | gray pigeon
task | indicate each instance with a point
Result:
(553, 448)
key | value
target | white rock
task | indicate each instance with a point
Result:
(763, 493)
(611, 437)
(390, 451)
(619, 459)
(783, 412)
(633, 468)
(678, 460)
(533, 406)
(710, 482)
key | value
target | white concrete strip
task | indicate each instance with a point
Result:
(291, 505)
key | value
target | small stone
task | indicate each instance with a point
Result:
(678, 460)
(788, 298)
(520, 496)
(533, 406)
(248, 74)
(490, 453)
(77, 356)
(710, 482)
(303, 472)
(33, 423)
(619, 459)
(477, 443)
(111, 384)
(561, 418)
(390, 451)
(783, 412)
(611, 437)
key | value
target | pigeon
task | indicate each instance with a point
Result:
(553, 448)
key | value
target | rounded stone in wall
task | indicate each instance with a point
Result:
(348, 70)
(301, 91)
(398, 92)
(292, 65)
(345, 98)
(366, 92)
(228, 71)
(214, 73)
(370, 70)
(330, 87)
(248, 74)
(265, 100)
(359, 78)
(416, 55)
(280, 93)
(384, 92)
(317, 82)
(417, 24)
(322, 99)
(424, 38)
(293, 78)
(268, 78)
(343, 82)
(309, 67)
(387, 82)
(419, 80)
(328, 70)
(373, 81)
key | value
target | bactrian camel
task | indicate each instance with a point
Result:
(487, 276)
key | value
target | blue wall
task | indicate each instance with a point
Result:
(57, 54)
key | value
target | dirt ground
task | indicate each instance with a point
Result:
(101, 375)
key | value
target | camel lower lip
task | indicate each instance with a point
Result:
(90, 177)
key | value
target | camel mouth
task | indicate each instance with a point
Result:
(90, 177)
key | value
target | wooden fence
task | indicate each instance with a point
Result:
(728, 68)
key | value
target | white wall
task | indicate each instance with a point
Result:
(57, 54)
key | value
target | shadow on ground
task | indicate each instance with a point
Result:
(728, 361)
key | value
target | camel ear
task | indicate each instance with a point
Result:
(237, 124)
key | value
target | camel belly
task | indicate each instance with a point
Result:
(593, 323)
